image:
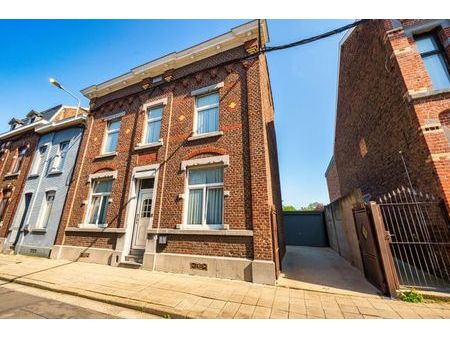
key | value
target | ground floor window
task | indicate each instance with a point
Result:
(205, 197)
(99, 202)
(47, 209)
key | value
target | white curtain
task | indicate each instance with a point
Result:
(214, 206)
(208, 120)
(205, 176)
(153, 131)
(195, 206)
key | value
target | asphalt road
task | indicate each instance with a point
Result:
(14, 304)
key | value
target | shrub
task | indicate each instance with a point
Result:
(411, 296)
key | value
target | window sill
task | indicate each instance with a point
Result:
(140, 146)
(54, 173)
(238, 233)
(207, 135)
(106, 155)
(429, 93)
(10, 175)
(38, 231)
(86, 228)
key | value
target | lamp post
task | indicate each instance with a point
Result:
(58, 85)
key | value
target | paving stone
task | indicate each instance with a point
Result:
(245, 311)
(333, 314)
(349, 308)
(261, 312)
(279, 314)
(294, 315)
(348, 315)
(315, 311)
(229, 310)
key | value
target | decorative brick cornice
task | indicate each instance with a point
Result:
(205, 150)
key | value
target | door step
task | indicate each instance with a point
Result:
(130, 265)
(134, 258)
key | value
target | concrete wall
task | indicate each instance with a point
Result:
(341, 228)
(39, 242)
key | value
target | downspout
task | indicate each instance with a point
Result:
(163, 181)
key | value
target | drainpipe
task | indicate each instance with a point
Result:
(163, 180)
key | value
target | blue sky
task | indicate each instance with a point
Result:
(80, 53)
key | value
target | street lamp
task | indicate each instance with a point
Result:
(58, 85)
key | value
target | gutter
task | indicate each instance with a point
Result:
(53, 126)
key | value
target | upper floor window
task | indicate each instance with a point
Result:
(154, 116)
(98, 205)
(39, 159)
(205, 197)
(47, 209)
(18, 161)
(207, 113)
(112, 136)
(433, 57)
(60, 156)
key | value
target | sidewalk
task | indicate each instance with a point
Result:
(182, 296)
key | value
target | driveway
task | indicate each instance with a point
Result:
(322, 269)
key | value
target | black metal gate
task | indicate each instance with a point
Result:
(419, 238)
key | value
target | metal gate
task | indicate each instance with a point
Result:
(418, 227)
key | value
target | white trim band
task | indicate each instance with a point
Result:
(225, 159)
(106, 174)
(207, 89)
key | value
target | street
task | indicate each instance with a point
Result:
(22, 302)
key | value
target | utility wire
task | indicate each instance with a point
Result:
(260, 51)
(314, 38)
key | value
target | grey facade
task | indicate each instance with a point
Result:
(36, 221)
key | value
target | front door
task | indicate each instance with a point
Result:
(144, 214)
(22, 220)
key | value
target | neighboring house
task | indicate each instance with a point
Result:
(16, 151)
(178, 167)
(43, 177)
(393, 96)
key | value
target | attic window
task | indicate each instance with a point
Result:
(157, 79)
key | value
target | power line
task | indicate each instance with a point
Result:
(314, 38)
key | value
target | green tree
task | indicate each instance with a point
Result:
(289, 208)
(315, 206)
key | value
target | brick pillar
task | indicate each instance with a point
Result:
(263, 267)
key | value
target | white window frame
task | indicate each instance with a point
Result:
(102, 195)
(205, 188)
(109, 132)
(39, 159)
(146, 107)
(60, 157)
(44, 210)
(197, 110)
(152, 120)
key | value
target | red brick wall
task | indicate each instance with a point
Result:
(242, 119)
(15, 183)
(332, 177)
(375, 120)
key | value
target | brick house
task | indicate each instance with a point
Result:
(36, 221)
(178, 166)
(21, 187)
(393, 103)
